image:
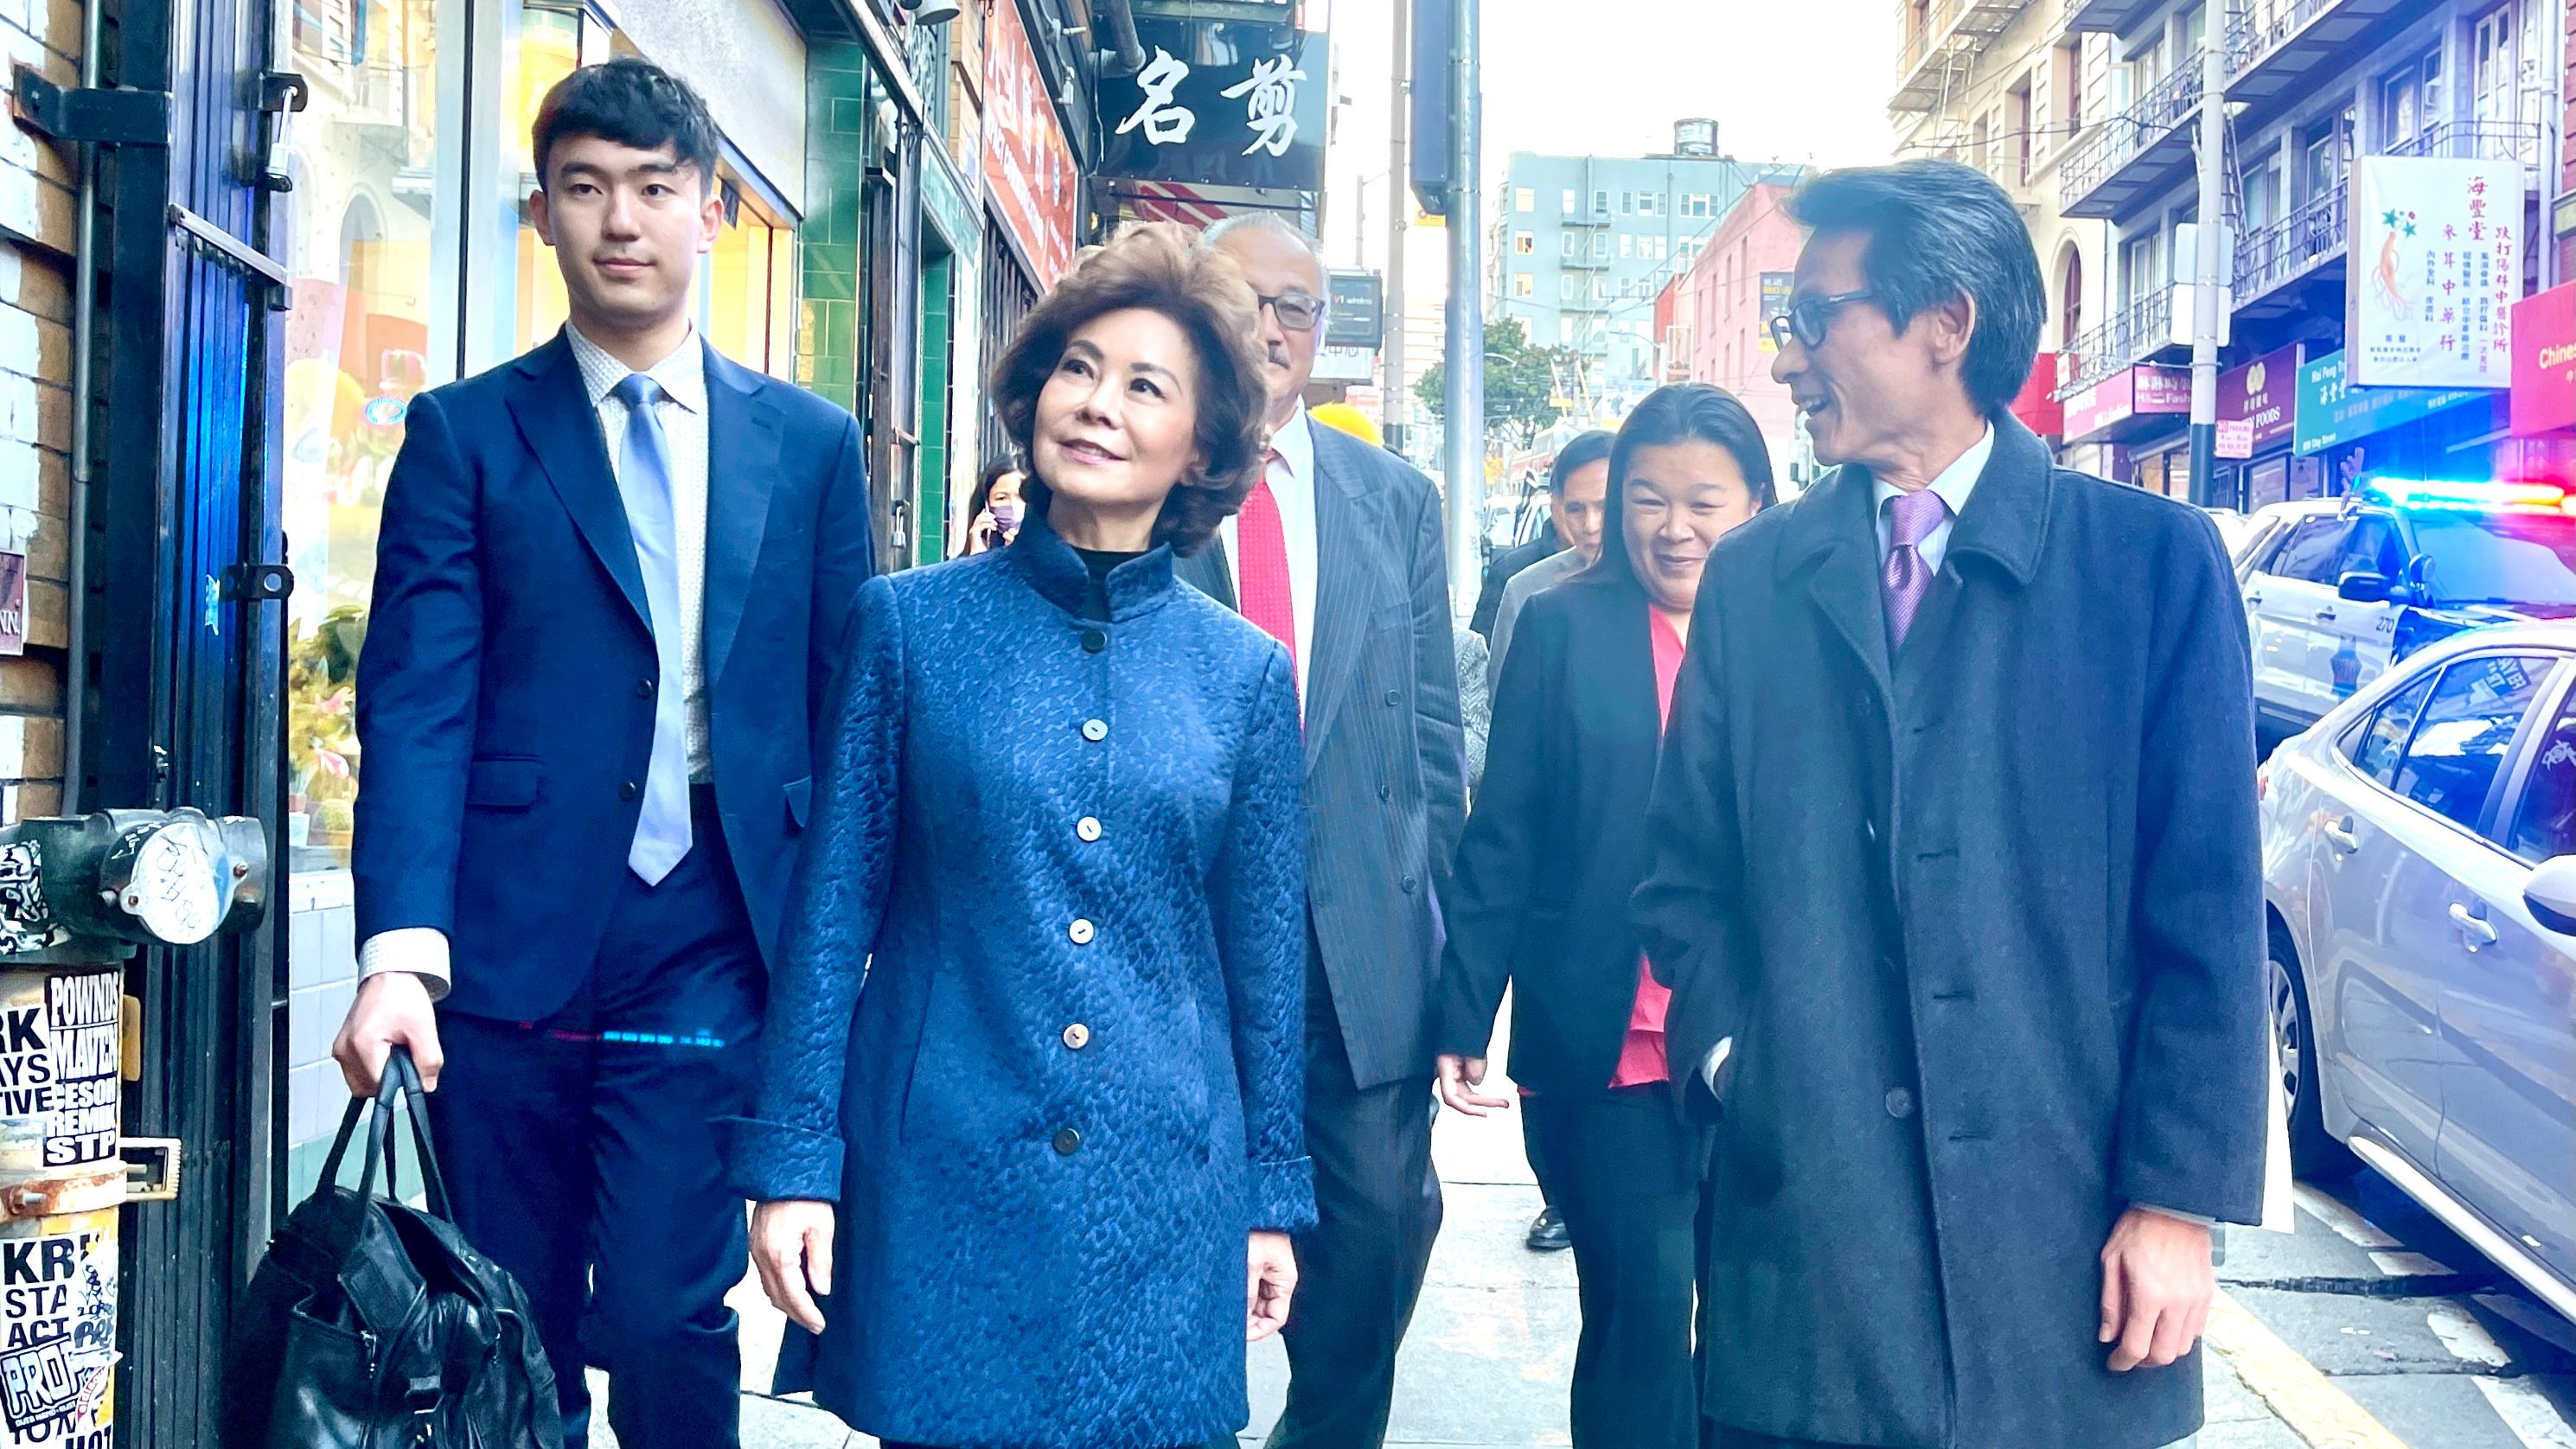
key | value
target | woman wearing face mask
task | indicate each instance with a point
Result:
(1551, 853)
(1047, 1167)
(995, 509)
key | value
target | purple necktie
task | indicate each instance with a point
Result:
(1912, 518)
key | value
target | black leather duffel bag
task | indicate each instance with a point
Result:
(373, 1325)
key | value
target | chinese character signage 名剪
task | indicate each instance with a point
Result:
(1220, 103)
(2436, 267)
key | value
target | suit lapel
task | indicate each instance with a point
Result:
(1999, 535)
(742, 469)
(1341, 590)
(555, 415)
(1835, 542)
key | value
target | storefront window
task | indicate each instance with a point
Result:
(748, 290)
(553, 43)
(372, 313)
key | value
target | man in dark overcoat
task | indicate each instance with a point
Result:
(1955, 878)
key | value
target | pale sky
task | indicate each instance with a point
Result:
(1793, 80)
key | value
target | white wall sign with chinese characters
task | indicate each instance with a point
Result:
(2435, 270)
(1219, 103)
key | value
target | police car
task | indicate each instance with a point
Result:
(2342, 589)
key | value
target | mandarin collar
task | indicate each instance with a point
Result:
(1136, 587)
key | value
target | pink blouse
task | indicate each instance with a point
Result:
(1641, 1055)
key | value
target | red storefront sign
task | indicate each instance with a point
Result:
(2262, 399)
(2544, 363)
(2142, 391)
(1027, 166)
(2038, 407)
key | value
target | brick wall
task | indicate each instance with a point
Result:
(36, 241)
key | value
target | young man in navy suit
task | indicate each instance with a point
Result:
(609, 590)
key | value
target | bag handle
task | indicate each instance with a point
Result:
(401, 1081)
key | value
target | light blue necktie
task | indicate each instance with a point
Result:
(644, 478)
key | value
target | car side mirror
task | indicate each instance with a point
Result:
(2363, 588)
(2551, 894)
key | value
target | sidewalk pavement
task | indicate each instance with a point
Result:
(1491, 1351)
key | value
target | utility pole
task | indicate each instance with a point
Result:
(2212, 262)
(1399, 176)
(1464, 454)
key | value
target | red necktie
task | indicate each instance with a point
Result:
(1261, 549)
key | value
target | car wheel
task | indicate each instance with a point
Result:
(2314, 1153)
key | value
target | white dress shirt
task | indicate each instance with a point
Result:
(1292, 483)
(423, 950)
(1954, 485)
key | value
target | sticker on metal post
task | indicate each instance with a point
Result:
(58, 1331)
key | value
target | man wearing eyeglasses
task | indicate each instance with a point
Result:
(1955, 876)
(1337, 554)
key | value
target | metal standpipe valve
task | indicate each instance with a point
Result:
(76, 897)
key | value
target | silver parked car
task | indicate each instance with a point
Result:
(2420, 875)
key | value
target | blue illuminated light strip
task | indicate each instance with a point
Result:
(2435, 496)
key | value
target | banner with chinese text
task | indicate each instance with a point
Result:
(1027, 165)
(1220, 102)
(2436, 267)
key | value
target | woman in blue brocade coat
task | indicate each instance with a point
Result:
(1045, 1162)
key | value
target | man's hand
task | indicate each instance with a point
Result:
(1459, 1079)
(2157, 1280)
(392, 1010)
(791, 1245)
(1271, 1280)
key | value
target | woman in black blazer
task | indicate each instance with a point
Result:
(1551, 853)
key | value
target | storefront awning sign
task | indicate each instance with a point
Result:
(2333, 411)
(2142, 391)
(2257, 404)
(2544, 364)
(1220, 102)
(2436, 266)
(2037, 405)
(1027, 164)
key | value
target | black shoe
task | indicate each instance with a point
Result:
(1548, 1233)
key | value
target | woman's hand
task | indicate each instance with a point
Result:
(791, 1245)
(1459, 1079)
(983, 533)
(1271, 1282)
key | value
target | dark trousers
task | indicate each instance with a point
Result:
(581, 1154)
(1534, 1147)
(1360, 1271)
(1628, 1177)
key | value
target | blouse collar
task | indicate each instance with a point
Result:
(1136, 587)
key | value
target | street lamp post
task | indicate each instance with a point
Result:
(1464, 460)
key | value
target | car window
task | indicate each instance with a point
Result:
(2544, 825)
(2375, 745)
(2313, 550)
(2498, 558)
(2467, 725)
(2371, 547)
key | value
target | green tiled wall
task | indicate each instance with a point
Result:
(930, 495)
(838, 129)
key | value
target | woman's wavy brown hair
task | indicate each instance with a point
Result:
(1161, 268)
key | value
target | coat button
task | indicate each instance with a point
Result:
(1087, 828)
(1095, 730)
(1093, 641)
(1392, 697)
(1900, 1103)
(1409, 883)
(1870, 828)
(643, 689)
(1081, 932)
(1382, 791)
(629, 790)
(1067, 1142)
(1077, 1036)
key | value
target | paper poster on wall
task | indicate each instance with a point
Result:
(2436, 267)
(58, 1331)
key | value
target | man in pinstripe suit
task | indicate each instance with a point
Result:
(1338, 555)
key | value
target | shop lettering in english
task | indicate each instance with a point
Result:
(2261, 396)
(2544, 364)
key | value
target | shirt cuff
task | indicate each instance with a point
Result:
(2177, 1215)
(420, 950)
(1715, 1061)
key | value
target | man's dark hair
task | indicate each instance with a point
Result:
(1685, 412)
(633, 103)
(1586, 450)
(1939, 230)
